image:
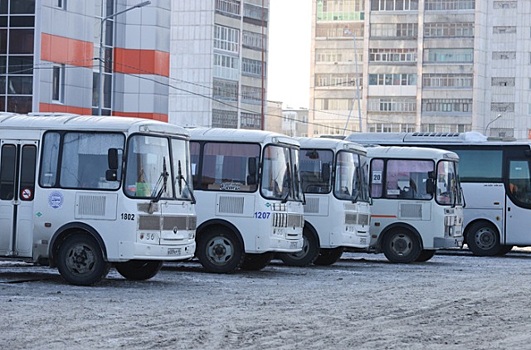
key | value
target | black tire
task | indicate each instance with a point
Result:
(483, 239)
(328, 257)
(80, 260)
(138, 270)
(504, 250)
(308, 254)
(256, 262)
(425, 255)
(219, 250)
(401, 246)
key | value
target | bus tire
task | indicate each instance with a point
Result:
(425, 255)
(400, 245)
(308, 254)
(138, 270)
(328, 257)
(256, 262)
(483, 239)
(219, 250)
(80, 260)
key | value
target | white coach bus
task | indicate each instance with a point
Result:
(249, 197)
(334, 176)
(416, 202)
(82, 193)
(496, 180)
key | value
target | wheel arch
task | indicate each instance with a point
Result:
(400, 225)
(466, 229)
(66, 231)
(219, 223)
(314, 232)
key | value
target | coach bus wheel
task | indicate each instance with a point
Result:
(483, 239)
(308, 254)
(219, 250)
(328, 256)
(256, 262)
(401, 246)
(80, 260)
(138, 270)
(425, 255)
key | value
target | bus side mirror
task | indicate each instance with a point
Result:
(325, 170)
(430, 186)
(251, 178)
(112, 160)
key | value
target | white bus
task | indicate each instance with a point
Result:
(416, 202)
(81, 193)
(334, 176)
(496, 181)
(249, 197)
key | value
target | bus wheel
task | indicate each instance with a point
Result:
(401, 246)
(256, 262)
(80, 260)
(483, 240)
(138, 270)
(219, 250)
(308, 254)
(425, 255)
(328, 257)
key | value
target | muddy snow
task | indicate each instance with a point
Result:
(361, 302)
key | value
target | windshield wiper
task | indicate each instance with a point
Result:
(288, 177)
(181, 177)
(162, 182)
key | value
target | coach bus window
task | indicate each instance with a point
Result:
(520, 181)
(480, 165)
(7, 172)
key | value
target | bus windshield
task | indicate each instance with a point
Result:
(181, 169)
(351, 179)
(448, 187)
(148, 171)
(280, 176)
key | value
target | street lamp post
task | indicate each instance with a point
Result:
(100, 57)
(349, 32)
(492, 121)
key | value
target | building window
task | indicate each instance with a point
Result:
(449, 55)
(502, 106)
(230, 7)
(505, 4)
(58, 83)
(337, 80)
(393, 55)
(227, 39)
(441, 30)
(224, 119)
(251, 121)
(61, 4)
(252, 67)
(504, 30)
(389, 104)
(394, 5)
(447, 105)
(226, 90)
(393, 79)
(443, 81)
(256, 15)
(254, 40)
(394, 30)
(504, 55)
(251, 94)
(345, 10)
(502, 81)
(444, 5)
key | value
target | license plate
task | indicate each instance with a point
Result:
(293, 245)
(174, 251)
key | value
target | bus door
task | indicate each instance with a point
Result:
(18, 159)
(518, 202)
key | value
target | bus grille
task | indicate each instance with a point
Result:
(312, 205)
(155, 223)
(231, 205)
(288, 220)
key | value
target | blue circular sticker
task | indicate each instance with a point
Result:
(55, 200)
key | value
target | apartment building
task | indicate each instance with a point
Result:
(51, 59)
(218, 63)
(421, 65)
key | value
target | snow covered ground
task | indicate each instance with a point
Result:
(361, 302)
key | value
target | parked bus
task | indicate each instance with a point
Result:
(496, 181)
(334, 177)
(416, 202)
(249, 197)
(81, 193)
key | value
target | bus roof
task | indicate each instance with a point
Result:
(335, 144)
(395, 138)
(410, 153)
(58, 121)
(240, 135)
